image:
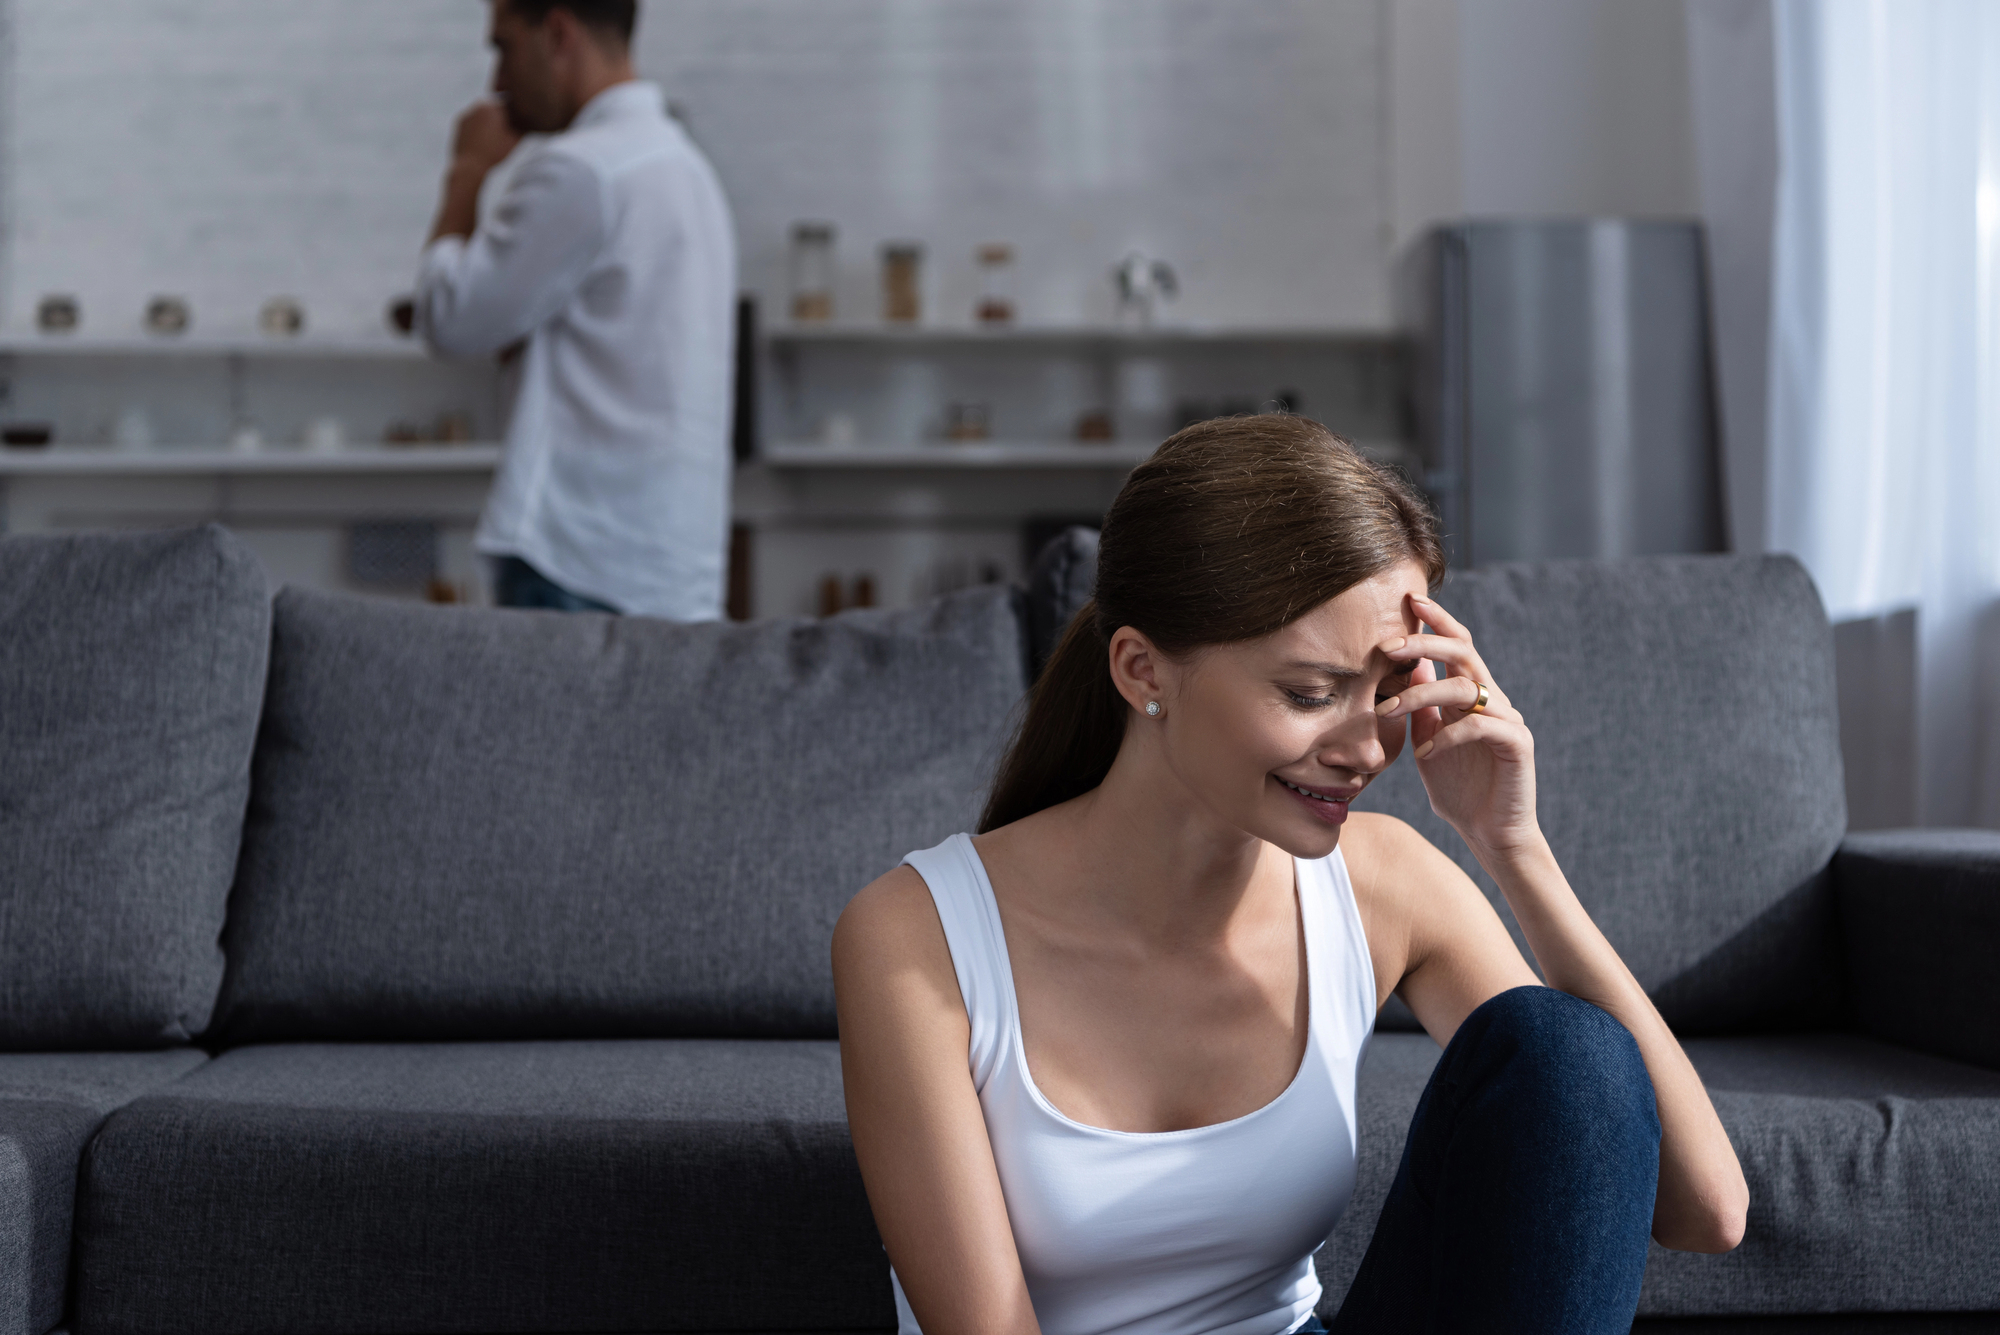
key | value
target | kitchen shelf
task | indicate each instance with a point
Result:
(378, 348)
(1038, 336)
(959, 456)
(77, 461)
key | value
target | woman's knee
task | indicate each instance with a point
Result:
(1567, 1055)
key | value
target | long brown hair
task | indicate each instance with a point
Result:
(1235, 528)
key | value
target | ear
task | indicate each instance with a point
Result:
(561, 31)
(1138, 669)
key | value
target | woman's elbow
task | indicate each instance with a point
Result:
(1714, 1227)
(1712, 1238)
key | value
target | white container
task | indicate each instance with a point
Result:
(1145, 400)
(325, 435)
(133, 429)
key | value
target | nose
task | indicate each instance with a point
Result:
(1356, 744)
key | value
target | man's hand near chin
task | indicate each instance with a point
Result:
(480, 141)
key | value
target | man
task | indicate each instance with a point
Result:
(606, 273)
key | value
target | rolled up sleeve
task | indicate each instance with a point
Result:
(478, 294)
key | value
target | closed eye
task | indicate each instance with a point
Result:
(1322, 701)
(1389, 689)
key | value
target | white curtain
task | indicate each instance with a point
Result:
(1883, 415)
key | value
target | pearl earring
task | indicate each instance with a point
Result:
(1152, 709)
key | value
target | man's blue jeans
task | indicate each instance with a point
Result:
(1525, 1197)
(518, 584)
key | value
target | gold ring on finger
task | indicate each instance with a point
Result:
(1479, 705)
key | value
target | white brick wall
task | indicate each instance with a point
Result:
(230, 150)
(1240, 139)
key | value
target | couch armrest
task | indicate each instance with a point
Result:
(1920, 914)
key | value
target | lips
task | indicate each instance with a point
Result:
(1331, 796)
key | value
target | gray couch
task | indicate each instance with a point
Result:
(368, 967)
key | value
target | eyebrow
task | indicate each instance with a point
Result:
(1339, 673)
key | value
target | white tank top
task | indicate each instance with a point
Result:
(1208, 1231)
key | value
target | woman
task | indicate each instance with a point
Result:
(1100, 1059)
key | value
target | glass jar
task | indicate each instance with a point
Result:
(902, 282)
(967, 421)
(996, 283)
(812, 272)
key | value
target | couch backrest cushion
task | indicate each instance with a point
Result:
(1688, 757)
(471, 823)
(131, 675)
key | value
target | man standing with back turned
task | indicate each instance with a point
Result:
(606, 273)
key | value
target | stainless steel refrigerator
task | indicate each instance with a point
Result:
(1564, 402)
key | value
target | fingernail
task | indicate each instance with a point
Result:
(1389, 706)
(1419, 598)
(1425, 749)
(1391, 646)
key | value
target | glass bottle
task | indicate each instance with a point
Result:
(812, 272)
(902, 277)
(996, 283)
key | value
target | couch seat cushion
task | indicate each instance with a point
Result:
(50, 1104)
(131, 675)
(628, 1185)
(1873, 1171)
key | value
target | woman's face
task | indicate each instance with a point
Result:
(1276, 735)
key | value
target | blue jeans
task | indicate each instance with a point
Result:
(518, 584)
(1525, 1197)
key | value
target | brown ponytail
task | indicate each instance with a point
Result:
(1235, 528)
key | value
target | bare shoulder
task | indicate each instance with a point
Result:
(1397, 871)
(889, 939)
(1434, 937)
(1388, 859)
(1369, 836)
(891, 908)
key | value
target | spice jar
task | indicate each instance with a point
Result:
(967, 421)
(812, 271)
(996, 283)
(902, 274)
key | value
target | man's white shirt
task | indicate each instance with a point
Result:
(610, 250)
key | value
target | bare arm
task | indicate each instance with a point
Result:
(1479, 771)
(1437, 943)
(915, 1116)
(1702, 1196)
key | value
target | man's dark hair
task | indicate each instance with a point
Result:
(612, 18)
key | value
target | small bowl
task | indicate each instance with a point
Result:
(168, 315)
(58, 315)
(282, 317)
